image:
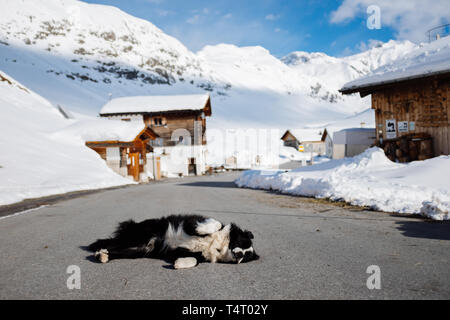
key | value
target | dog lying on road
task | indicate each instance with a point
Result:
(184, 240)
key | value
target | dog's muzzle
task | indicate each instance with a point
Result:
(238, 256)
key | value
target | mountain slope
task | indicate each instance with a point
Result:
(331, 73)
(79, 55)
(37, 162)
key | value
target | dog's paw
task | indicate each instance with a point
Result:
(184, 263)
(102, 255)
(150, 245)
(209, 226)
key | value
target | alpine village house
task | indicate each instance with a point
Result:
(412, 109)
(310, 140)
(179, 123)
(124, 147)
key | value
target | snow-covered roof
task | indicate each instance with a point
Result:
(105, 130)
(306, 134)
(428, 60)
(147, 104)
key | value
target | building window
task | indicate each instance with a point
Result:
(158, 121)
(158, 142)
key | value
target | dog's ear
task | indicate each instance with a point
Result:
(249, 234)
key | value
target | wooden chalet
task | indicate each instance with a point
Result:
(178, 120)
(127, 158)
(164, 114)
(316, 140)
(412, 109)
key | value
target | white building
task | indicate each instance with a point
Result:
(353, 141)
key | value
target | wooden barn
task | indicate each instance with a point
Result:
(178, 120)
(125, 151)
(316, 140)
(411, 103)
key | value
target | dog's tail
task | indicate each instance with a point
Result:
(125, 231)
(100, 244)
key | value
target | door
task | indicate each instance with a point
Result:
(158, 168)
(192, 169)
(133, 167)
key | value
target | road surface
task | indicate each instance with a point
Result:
(309, 249)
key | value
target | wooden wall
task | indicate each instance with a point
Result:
(101, 151)
(174, 122)
(425, 102)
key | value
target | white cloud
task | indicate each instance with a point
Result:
(272, 17)
(194, 19)
(228, 16)
(409, 18)
(205, 10)
(164, 13)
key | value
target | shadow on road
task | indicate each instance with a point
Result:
(298, 215)
(424, 229)
(90, 257)
(210, 184)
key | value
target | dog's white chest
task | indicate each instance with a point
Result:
(214, 247)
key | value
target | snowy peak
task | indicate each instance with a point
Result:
(98, 33)
(428, 59)
(329, 74)
(250, 67)
(297, 58)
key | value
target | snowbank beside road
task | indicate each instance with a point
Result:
(369, 179)
(36, 162)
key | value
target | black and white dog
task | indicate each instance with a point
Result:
(184, 240)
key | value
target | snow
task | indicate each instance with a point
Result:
(428, 59)
(287, 154)
(36, 161)
(364, 119)
(291, 154)
(369, 179)
(333, 72)
(155, 103)
(102, 130)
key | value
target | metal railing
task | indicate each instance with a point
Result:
(438, 32)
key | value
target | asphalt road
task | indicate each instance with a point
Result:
(308, 249)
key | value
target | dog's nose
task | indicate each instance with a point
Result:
(238, 256)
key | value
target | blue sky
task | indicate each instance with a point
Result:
(335, 27)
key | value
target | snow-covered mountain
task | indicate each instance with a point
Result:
(331, 73)
(78, 55)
